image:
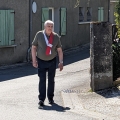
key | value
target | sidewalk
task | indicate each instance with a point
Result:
(102, 105)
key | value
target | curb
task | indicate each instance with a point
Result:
(73, 101)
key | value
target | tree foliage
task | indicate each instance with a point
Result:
(116, 42)
(78, 3)
(117, 16)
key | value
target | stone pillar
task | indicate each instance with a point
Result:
(101, 55)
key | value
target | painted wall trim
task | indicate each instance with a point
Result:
(9, 46)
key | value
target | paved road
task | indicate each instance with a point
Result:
(19, 90)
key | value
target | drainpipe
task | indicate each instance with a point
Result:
(30, 30)
(108, 10)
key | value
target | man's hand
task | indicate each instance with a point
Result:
(35, 64)
(60, 65)
(34, 61)
(60, 54)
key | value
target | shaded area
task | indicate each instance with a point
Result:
(76, 56)
(56, 107)
(28, 69)
(16, 72)
(110, 93)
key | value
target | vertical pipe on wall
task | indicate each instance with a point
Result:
(30, 30)
(108, 10)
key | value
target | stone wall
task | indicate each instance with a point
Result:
(101, 56)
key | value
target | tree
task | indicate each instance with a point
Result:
(117, 16)
(78, 2)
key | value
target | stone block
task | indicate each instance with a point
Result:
(101, 55)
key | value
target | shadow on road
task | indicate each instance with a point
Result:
(17, 72)
(110, 93)
(76, 56)
(28, 69)
(56, 107)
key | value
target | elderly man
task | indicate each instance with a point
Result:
(45, 47)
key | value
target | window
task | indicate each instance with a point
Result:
(58, 16)
(63, 21)
(89, 14)
(81, 14)
(6, 27)
(100, 14)
(50, 14)
(47, 14)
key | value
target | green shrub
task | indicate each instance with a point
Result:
(116, 43)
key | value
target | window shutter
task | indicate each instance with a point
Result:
(2, 27)
(45, 16)
(6, 27)
(100, 14)
(11, 38)
(63, 21)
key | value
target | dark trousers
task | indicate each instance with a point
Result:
(43, 67)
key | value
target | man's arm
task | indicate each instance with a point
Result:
(34, 61)
(60, 54)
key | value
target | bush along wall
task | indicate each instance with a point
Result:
(116, 42)
(116, 53)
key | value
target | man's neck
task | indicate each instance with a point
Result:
(48, 34)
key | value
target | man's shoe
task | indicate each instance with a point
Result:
(41, 104)
(51, 102)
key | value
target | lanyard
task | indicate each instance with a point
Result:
(47, 42)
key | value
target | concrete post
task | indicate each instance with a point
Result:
(101, 55)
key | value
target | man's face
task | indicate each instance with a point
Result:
(49, 28)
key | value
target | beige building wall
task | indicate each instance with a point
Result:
(10, 55)
(77, 33)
